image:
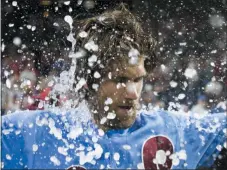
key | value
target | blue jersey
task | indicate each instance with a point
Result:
(159, 140)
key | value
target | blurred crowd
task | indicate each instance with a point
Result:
(191, 76)
(26, 86)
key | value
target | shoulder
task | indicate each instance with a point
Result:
(162, 115)
(25, 117)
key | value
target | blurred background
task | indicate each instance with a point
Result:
(192, 41)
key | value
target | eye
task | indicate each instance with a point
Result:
(122, 80)
(138, 79)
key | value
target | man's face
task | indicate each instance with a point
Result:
(118, 95)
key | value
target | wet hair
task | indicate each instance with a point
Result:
(115, 32)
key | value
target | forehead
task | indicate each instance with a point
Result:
(126, 69)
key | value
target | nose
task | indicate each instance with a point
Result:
(131, 91)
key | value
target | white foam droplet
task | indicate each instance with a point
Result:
(111, 115)
(97, 75)
(67, 2)
(103, 120)
(140, 166)
(127, 147)
(8, 157)
(33, 28)
(106, 108)
(182, 154)
(181, 96)
(11, 25)
(17, 41)
(90, 45)
(108, 101)
(68, 159)
(95, 87)
(173, 84)
(69, 20)
(160, 157)
(62, 150)
(34, 147)
(29, 26)
(83, 34)
(51, 83)
(116, 156)
(8, 83)
(55, 160)
(14, 3)
(41, 104)
(219, 147)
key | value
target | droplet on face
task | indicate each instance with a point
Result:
(106, 108)
(103, 120)
(108, 101)
(111, 115)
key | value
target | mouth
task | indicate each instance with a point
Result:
(125, 109)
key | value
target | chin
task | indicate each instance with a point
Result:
(126, 121)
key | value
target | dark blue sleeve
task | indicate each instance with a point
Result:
(12, 144)
(205, 138)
